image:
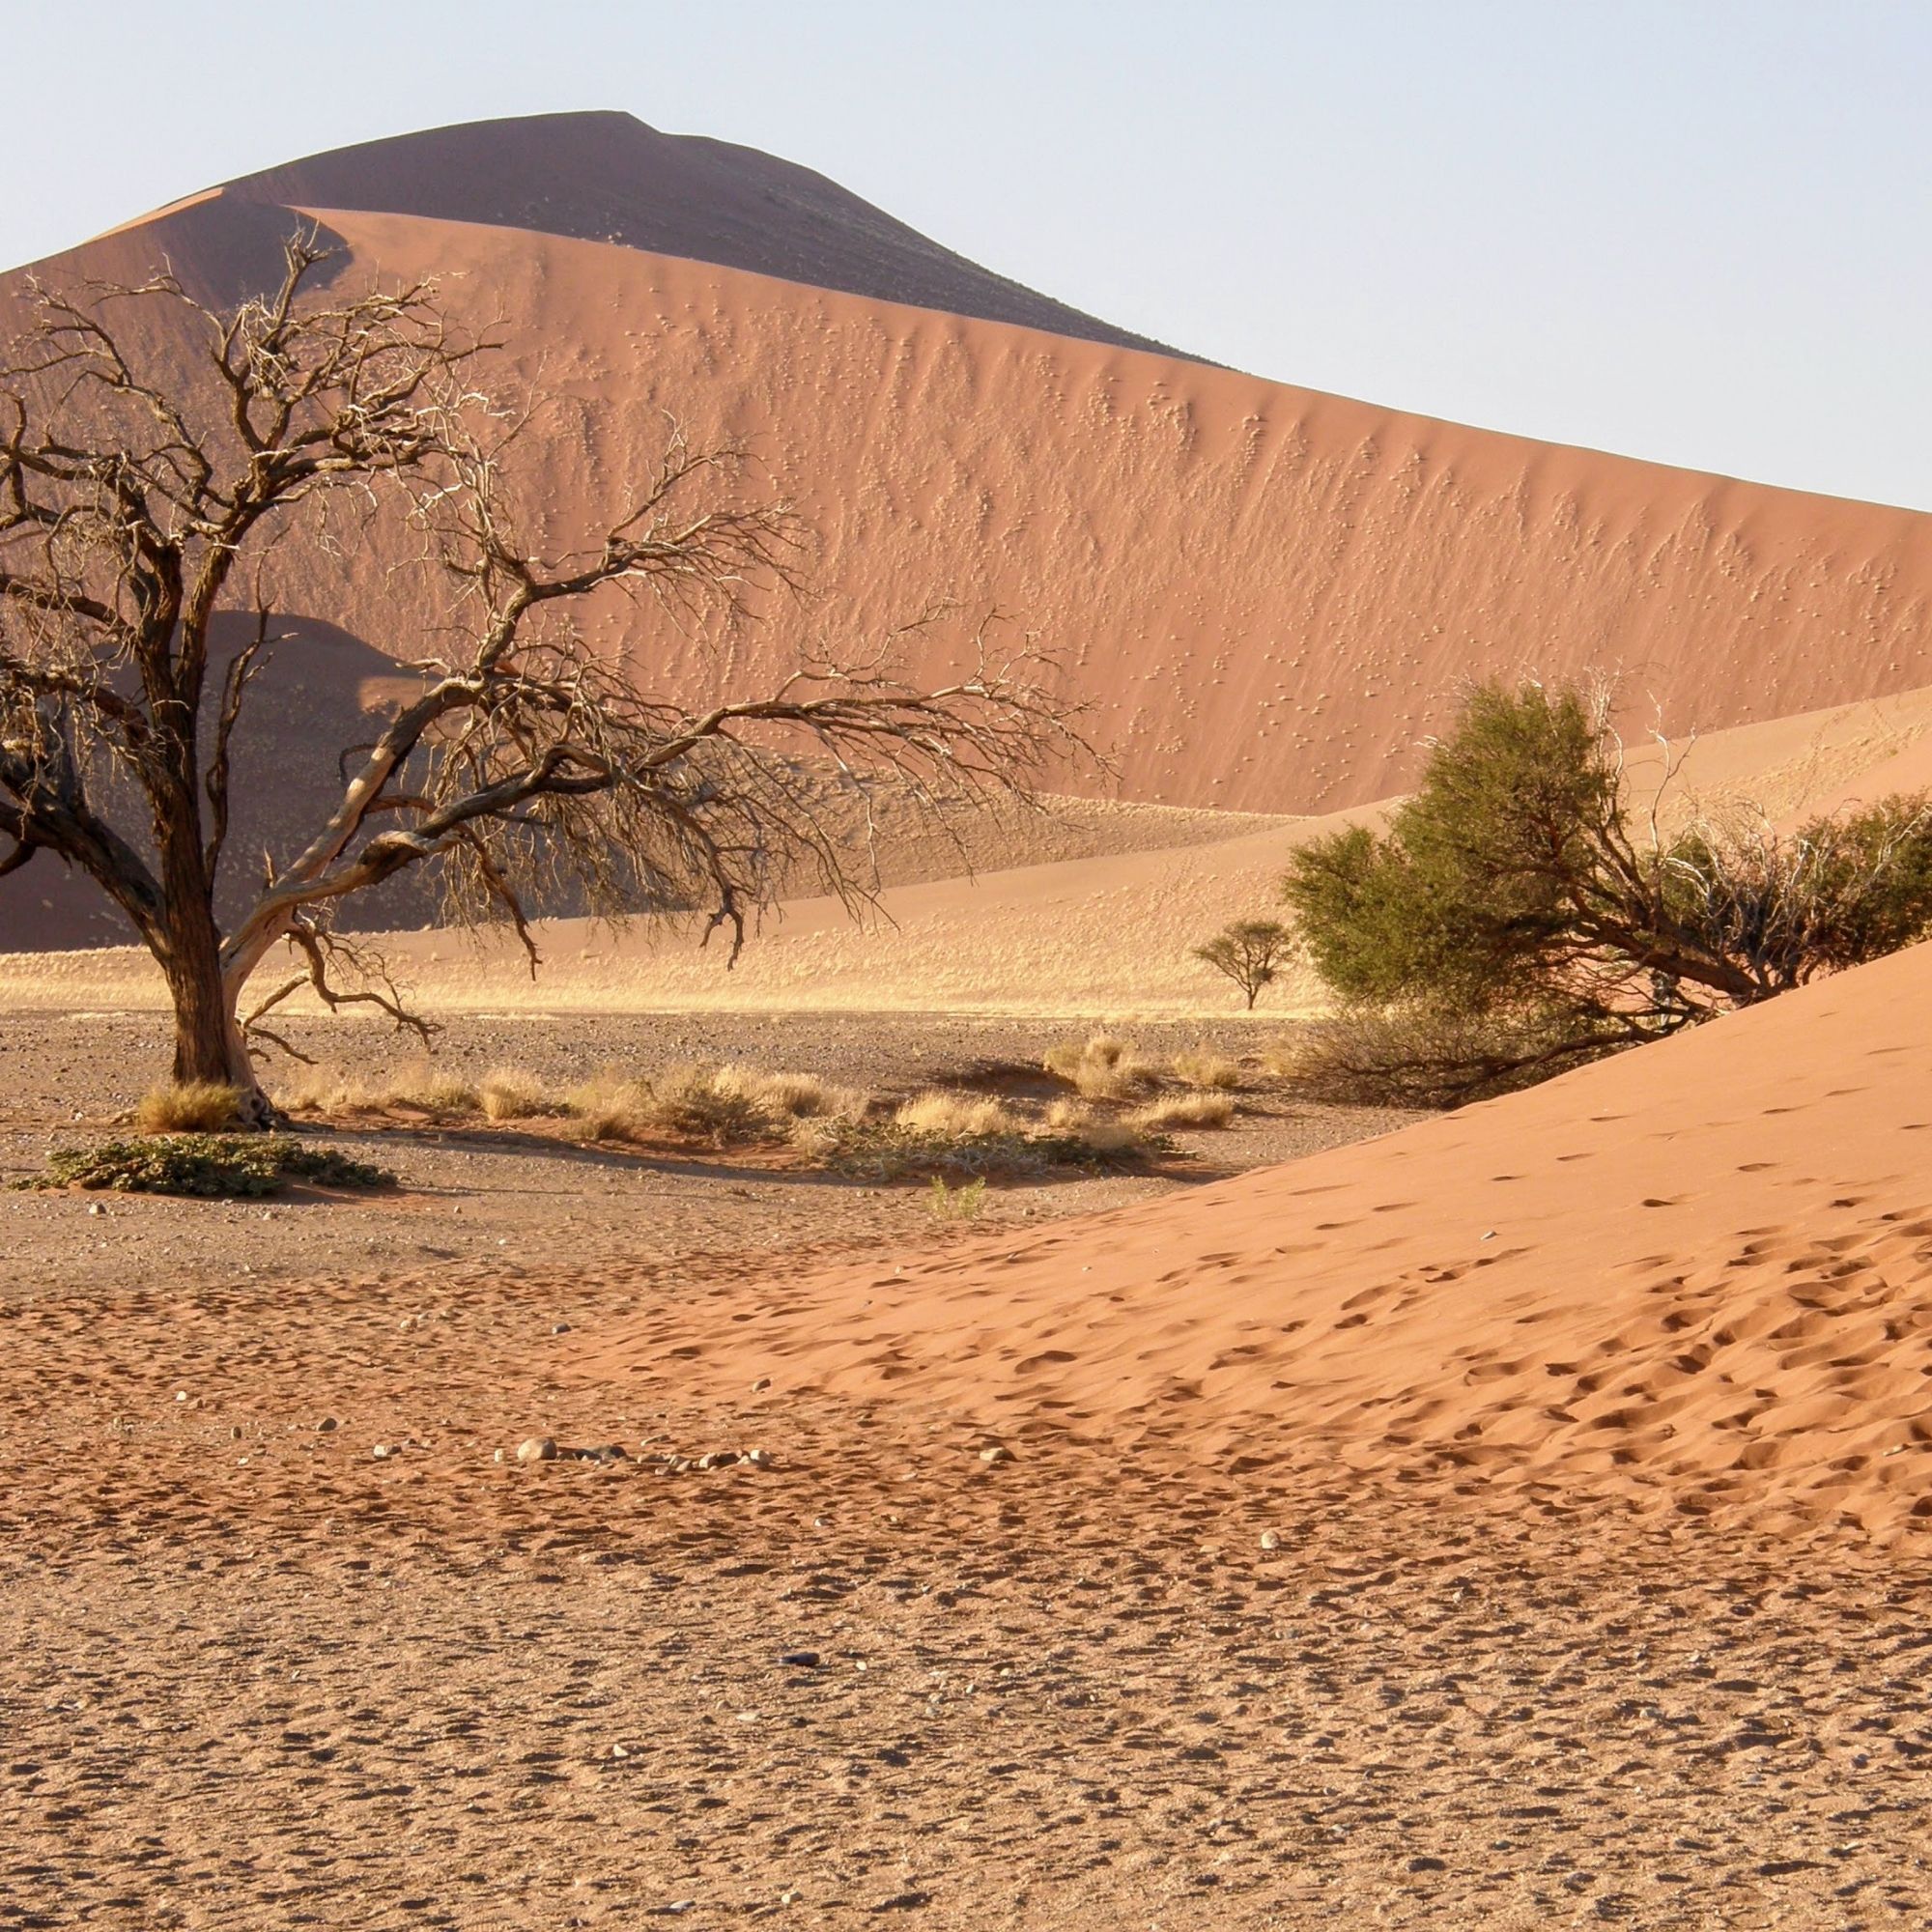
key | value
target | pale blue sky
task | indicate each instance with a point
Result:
(1692, 230)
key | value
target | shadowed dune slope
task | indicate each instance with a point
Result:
(1697, 1277)
(610, 178)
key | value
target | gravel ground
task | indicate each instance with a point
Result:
(260, 1676)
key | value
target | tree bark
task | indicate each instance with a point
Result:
(208, 1045)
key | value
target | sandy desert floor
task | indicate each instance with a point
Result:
(258, 1676)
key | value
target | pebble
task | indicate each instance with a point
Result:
(536, 1449)
(758, 1459)
(327, 1426)
(559, 1327)
(800, 1660)
(1270, 1540)
(997, 1452)
(382, 1451)
(719, 1458)
(759, 1387)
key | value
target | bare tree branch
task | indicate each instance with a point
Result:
(529, 769)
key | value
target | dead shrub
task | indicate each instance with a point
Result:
(888, 1150)
(1417, 1057)
(187, 1107)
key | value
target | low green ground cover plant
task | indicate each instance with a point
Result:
(209, 1166)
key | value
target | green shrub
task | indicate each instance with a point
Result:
(964, 1203)
(1512, 921)
(216, 1166)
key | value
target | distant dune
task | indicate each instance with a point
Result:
(1098, 921)
(1268, 595)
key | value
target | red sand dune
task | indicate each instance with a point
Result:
(1268, 593)
(610, 178)
(1695, 1278)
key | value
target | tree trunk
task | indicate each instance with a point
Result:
(207, 1035)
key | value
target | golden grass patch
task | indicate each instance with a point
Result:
(508, 1094)
(935, 1112)
(1201, 1067)
(1184, 1110)
(1101, 1068)
(187, 1107)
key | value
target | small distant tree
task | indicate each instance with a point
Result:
(1248, 952)
(137, 502)
(1514, 919)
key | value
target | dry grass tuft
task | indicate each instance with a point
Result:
(508, 1094)
(935, 1112)
(1184, 1110)
(781, 1097)
(420, 1088)
(610, 1107)
(1075, 1120)
(1201, 1067)
(718, 1104)
(1101, 1068)
(189, 1107)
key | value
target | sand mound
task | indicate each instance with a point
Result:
(1697, 1278)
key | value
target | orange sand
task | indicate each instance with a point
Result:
(1695, 1278)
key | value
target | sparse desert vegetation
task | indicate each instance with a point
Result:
(1122, 1109)
(976, 1399)
(187, 1107)
(1184, 1110)
(209, 1166)
(1251, 952)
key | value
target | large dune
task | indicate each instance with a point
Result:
(1697, 1278)
(1266, 594)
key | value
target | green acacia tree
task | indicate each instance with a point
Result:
(1516, 917)
(1249, 953)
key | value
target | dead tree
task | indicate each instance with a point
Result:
(135, 506)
